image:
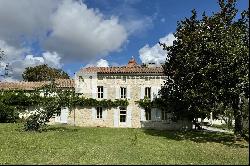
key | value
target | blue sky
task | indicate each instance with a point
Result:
(49, 33)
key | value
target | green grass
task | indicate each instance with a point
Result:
(74, 145)
(222, 126)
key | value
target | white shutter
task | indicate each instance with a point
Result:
(143, 116)
(152, 92)
(105, 93)
(153, 114)
(129, 117)
(93, 112)
(105, 113)
(158, 90)
(128, 92)
(116, 118)
(64, 114)
(117, 92)
(158, 114)
(94, 92)
(142, 92)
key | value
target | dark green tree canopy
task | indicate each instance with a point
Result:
(208, 63)
(43, 73)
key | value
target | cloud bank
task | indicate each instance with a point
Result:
(156, 54)
(67, 31)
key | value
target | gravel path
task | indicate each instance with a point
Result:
(213, 129)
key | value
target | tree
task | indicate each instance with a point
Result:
(209, 64)
(43, 73)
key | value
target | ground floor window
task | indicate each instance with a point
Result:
(99, 112)
(123, 114)
(164, 115)
(148, 114)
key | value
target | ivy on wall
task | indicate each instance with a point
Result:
(48, 101)
(146, 103)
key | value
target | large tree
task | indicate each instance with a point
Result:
(209, 64)
(43, 73)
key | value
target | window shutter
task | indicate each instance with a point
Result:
(94, 92)
(104, 113)
(105, 93)
(129, 117)
(93, 111)
(158, 115)
(128, 92)
(153, 89)
(143, 118)
(117, 91)
(142, 92)
(153, 114)
(158, 90)
(116, 117)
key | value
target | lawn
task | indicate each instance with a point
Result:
(75, 145)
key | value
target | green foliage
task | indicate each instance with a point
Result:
(43, 73)
(208, 64)
(8, 114)
(49, 104)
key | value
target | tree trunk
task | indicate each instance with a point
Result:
(238, 118)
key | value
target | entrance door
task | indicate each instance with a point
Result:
(123, 117)
(64, 114)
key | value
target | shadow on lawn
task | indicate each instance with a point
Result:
(198, 137)
(61, 128)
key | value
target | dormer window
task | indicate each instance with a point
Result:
(81, 79)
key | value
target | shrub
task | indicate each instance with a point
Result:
(8, 114)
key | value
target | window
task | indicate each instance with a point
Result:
(164, 115)
(123, 114)
(100, 78)
(99, 112)
(81, 78)
(100, 92)
(148, 92)
(148, 114)
(123, 92)
(124, 78)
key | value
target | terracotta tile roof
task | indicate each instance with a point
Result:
(22, 85)
(132, 67)
(65, 83)
(123, 70)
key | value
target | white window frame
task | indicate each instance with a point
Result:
(99, 112)
(122, 114)
(100, 92)
(123, 91)
(148, 92)
(164, 115)
(148, 115)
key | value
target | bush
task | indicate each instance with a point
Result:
(8, 114)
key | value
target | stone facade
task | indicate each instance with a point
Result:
(135, 79)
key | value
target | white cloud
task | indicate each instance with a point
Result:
(138, 25)
(102, 63)
(24, 18)
(18, 61)
(156, 54)
(84, 33)
(76, 32)
(99, 63)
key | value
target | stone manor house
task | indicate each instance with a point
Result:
(132, 82)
